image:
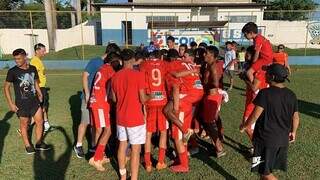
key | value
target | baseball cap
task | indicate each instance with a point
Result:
(280, 72)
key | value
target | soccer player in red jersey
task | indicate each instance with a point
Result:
(128, 91)
(187, 90)
(100, 109)
(263, 50)
(258, 83)
(213, 99)
(155, 71)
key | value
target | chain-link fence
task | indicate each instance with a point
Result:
(81, 36)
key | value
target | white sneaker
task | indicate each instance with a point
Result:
(46, 126)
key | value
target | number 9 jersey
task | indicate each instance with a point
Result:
(155, 72)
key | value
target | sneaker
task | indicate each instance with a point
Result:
(148, 168)
(79, 151)
(42, 146)
(251, 151)
(96, 164)
(46, 126)
(179, 169)
(30, 149)
(193, 151)
(221, 153)
(161, 166)
(105, 160)
(187, 136)
(92, 150)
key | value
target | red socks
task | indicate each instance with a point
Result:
(147, 158)
(184, 160)
(162, 154)
(98, 155)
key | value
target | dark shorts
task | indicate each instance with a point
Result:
(267, 159)
(45, 100)
(28, 109)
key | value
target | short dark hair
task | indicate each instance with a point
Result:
(112, 57)
(228, 42)
(203, 44)
(164, 53)
(171, 38)
(184, 45)
(193, 44)
(213, 50)
(243, 48)
(281, 45)
(140, 55)
(127, 54)
(173, 54)
(38, 46)
(155, 54)
(112, 47)
(190, 52)
(251, 50)
(19, 51)
(250, 27)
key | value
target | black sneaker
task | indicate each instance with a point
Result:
(42, 146)
(30, 149)
(79, 151)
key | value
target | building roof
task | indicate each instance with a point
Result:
(181, 5)
(185, 25)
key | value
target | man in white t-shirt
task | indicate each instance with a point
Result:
(229, 60)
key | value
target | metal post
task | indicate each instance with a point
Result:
(82, 44)
(126, 29)
(31, 26)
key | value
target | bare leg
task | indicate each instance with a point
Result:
(135, 161)
(39, 125)
(81, 132)
(122, 157)
(24, 130)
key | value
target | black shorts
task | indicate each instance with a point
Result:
(28, 109)
(45, 98)
(267, 159)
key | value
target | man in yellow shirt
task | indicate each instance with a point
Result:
(40, 52)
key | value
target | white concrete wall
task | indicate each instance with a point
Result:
(291, 33)
(11, 39)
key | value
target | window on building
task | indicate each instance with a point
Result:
(242, 19)
(161, 18)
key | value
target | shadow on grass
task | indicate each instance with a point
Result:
(75, 110)
(206, 149)
(47, 166)
(238, 147)
(310, 109)
(4, 130)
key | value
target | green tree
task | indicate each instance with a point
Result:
(292, 10)
(11, 4)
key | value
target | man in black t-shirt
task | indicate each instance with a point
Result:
(24, 78)
(277, 120)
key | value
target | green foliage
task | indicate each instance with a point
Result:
(291, 10)
(11, 4)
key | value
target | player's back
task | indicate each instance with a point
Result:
(155, 71)
(99, 91)
(265, 47)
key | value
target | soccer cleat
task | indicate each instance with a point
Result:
(105, 160)
(193, 151)
(96, 164)
(161, 166)
(30, 149)
(187, 136)
(148, 168)
(79, 151)
(179, 169)
(221, 153)
(92, 150)
(46, 126)
(42, 147)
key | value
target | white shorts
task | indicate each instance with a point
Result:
(135, 135)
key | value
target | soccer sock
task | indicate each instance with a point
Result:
(147, 158)
(79, 144)
(162, 153)
(98, 155)
(184, 159)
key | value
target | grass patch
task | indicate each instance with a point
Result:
(61, 163)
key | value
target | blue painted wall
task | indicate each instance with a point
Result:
(117, 35)
(139, 36)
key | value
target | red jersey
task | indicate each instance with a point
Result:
(100, 90)
(280, 58)
(263, 45)
(155, 71)
(190, 83)
(126, 84)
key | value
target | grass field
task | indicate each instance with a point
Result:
(91, 51)
(61, 163)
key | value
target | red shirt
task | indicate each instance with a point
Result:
(261, 76)
(263, 45)
(126, 84)
(190, 83)
(100, 90)
(155, 71)
(280, 58)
